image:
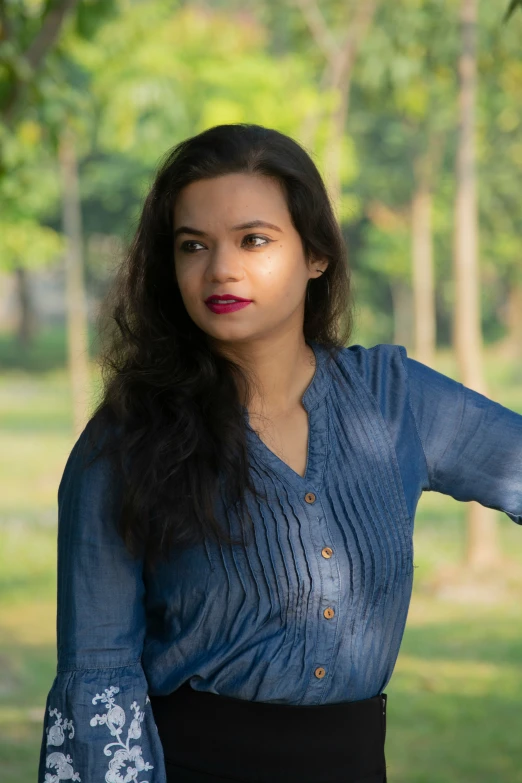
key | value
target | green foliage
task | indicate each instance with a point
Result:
(134, 78)
(499, 146)
(404, 110)
(513, 5)
(193, 69)
(91, 14)
(26, 243)
(37, 97)
(387, 251)
(154, 79)
(29, 195)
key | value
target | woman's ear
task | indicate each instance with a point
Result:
(319, 266)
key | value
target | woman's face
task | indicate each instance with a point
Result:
(216, 254)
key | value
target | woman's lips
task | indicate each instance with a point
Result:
(226, 308)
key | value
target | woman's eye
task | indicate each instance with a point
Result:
(188, 246)
(185, 246)
(258, 236)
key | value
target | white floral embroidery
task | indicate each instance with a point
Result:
(55, 734)
(114, 719)
(62, 764)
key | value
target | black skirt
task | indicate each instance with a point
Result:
(208, 738)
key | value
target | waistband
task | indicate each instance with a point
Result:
(264, 742)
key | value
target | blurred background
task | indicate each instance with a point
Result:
(412, 111)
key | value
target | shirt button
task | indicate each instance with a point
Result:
(327, 551)
(329, 613)
(320, 672)
(310, 497)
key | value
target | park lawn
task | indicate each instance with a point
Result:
(454, 709)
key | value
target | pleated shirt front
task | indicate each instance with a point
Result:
(312, 611)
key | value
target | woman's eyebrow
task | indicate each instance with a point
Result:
(240, 227)
(256, 224)
(188, 230)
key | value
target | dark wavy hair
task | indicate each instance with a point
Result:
(170, 403)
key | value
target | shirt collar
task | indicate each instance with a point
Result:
(318, 386)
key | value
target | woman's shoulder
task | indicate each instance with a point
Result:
(378, 365)
(89, 457)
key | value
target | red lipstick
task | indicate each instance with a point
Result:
(218, 305)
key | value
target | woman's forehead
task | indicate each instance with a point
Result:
(232, 199)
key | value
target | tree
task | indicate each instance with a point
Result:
(423, 272)
(499, 163)
(28, 195)
(402, 116)
(26, 42)
(513, 5)
(340, 52)
(482, 549)
(38, 89)
(28, 37)
(76, 299)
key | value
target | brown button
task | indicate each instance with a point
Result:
(329, 613)
(327, 551)
(310, 497)
(320, 672)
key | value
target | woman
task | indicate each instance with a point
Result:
(235, 521)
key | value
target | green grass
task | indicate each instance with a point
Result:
(455, 699)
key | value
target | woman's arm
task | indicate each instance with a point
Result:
(472, 445)
(98, 718)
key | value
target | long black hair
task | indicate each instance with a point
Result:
(170, 401)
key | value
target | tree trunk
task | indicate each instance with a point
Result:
(310, 123)
(482, 548)
(337, 122)
(77, 323)
(514, 320)
(43, 41)
(402, 312)
(336, 76)
(342, 65)
(26, 320)
(422, 274)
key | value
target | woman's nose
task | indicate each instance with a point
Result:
(224, 263)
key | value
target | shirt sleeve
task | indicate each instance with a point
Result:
(98, 722)
(472, 444)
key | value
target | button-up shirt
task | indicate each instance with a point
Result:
(312, 611)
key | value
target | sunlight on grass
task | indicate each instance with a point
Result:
(32, 624)
(27, 562)
(467, 677)
(31, 468)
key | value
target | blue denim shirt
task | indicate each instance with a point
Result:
(252, 622)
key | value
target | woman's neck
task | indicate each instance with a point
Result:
(282, 369)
